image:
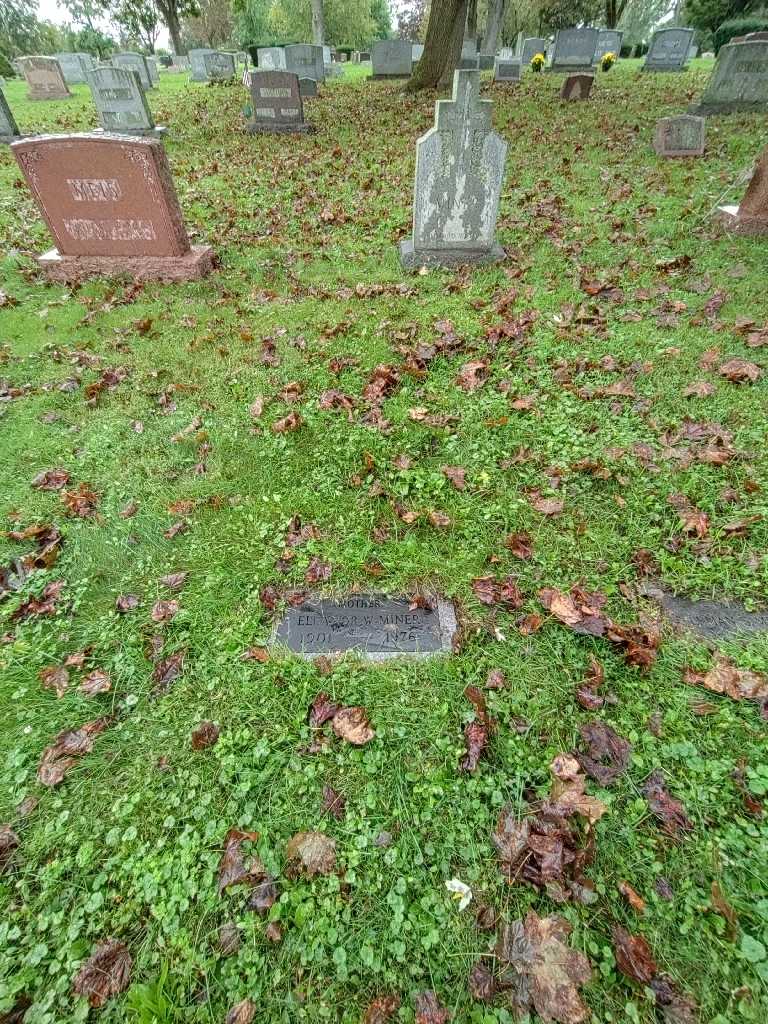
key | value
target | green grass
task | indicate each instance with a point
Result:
(127, 850)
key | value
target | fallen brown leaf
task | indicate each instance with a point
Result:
(310, 854)
(106, 973)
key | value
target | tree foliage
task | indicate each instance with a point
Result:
(140, 19)
(347, 22)
(20, 31)
(708, 14)
(213, 26)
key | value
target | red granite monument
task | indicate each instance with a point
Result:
(750, 217)
(577, 87)
(110, 204)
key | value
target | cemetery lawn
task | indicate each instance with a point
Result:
(603, 388)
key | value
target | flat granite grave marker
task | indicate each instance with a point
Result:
(577, 87)
(392, 58)
(373, 625)
(459, 172)
(608, 41)
(136, 62)
(271, 58)
(44, 78)
(574, 50)
(507, 71)
(219, 67)
(120, 102)
(275, 102)
(110, 204)
(751, 216)
(305, 60)
(710, 619)
(197, 64)
(9, 130)
(739, 80)
(680, 136)
(74, 66)
(668, 50)
(307, 88)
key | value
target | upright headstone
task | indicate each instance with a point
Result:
(44, 78)
(197, 65)
(751, 216)
(154, 70)
(120, 102)
(739, 80)
(574, 50)
(365, 56)
(392, 58)
(327, 55)
(110, 204)
(507, 70)
(136, 62)
(275, 102)
(459, 172)
(307, 88)
(416, 51)
(271, 58)
(693, 51)
(305, 60)
(485, 61)
(668, 50)
(181, 62)
(530, 47)
(242, 57)
(577, 87)
(680, 136)
(9, 130)
(219, 66)
(74, 66)
(469, 60)
(608, 41)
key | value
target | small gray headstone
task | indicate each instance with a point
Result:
(219, 67)
(305, 60)
(710, 619)
(739, 80)
(9, 130)
(680, 136)
(74, 66)
(392, 58)
(197, 65)
(459, 172)
(373, 625)
(136, 62)
(307, 88)
(530, 47)
(44, 78)
(120, 102)
(275, 102)
(154, 70)
(507, 70)
(668, 50)
(271, 58)
(608, 41)
(574, 49)
(416, 51)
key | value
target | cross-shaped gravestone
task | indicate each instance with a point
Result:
(459, 171)
(9, 130)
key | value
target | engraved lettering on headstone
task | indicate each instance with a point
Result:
(94, 189)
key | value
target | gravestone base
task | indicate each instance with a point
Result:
(388, 78)
(733, 107)
(158, 132)
(6, 140)
(741, 224)
(192, 266)
(664, 71)
(412, 259)
(278, 129)
(572, 69)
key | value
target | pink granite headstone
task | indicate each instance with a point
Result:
(44, 78)
(577, 87)
(110, 204)
(750, 217)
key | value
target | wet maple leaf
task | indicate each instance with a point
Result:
(692, 519)
(322, 710)
(725, 677)
(310, 854)
(607, 753)
(164, 611)
(126, 603)
(481, 983)
(242, 1012)
(51, 480)
(290, 422)
(633, 899)
(740, 371)
(476, 740)
(95, 682)
(429, 1010)
(55, 678)
(318, 571)
(543, 972)
(472, 375)
(633, 956)
(352, 725)
(568, 789)
(106, 973)
(228, 940)
(263, 896)
(232, 868)
(586, 692)
(578, 610)
(490, 591)
(81, 503)
(665, 807)
(269, 597)
(456, 475)
(167, 670)
(67, 748)
(495, 680)
(274, 932)
(381, 1010)
(9, 843)
(206, 734)
(177, 528)
(333, 802)
(438, 519)
(43, 605)
(174, 580)
(520, 544)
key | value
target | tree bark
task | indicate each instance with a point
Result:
(318, 23)
(170, 14)
(493, 26)
(454, 48)
(444, 15)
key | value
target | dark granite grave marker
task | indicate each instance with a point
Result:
(275, 102)
(710, 619)
(374, 625)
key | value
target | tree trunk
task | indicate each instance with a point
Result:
(493, 26)
(318, 23)
(471, 33)
(170, 14)
(443, 16)
(454, 48)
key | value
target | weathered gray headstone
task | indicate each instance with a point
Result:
(74, 66)
(574, 49)
(507, 70)
(275, 102)
(416, 51)
(271, 58)
(374, 626)
(608, 41)
(120, 102)
(577, 87)
(197, 65)
(739, 80)
(44, 78)
(751, 216)
(392, 58)
(459, 172)
(154, 70)
(9, 130)
(668, 50)
(136, 62)
(219, 67)
(305, 60)
(327, 56)
(485, 61)
(713, 620)
(469, 59)
(181, 61)
(365, 56)
(680, 136)
(307, 88)
(530, 47)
